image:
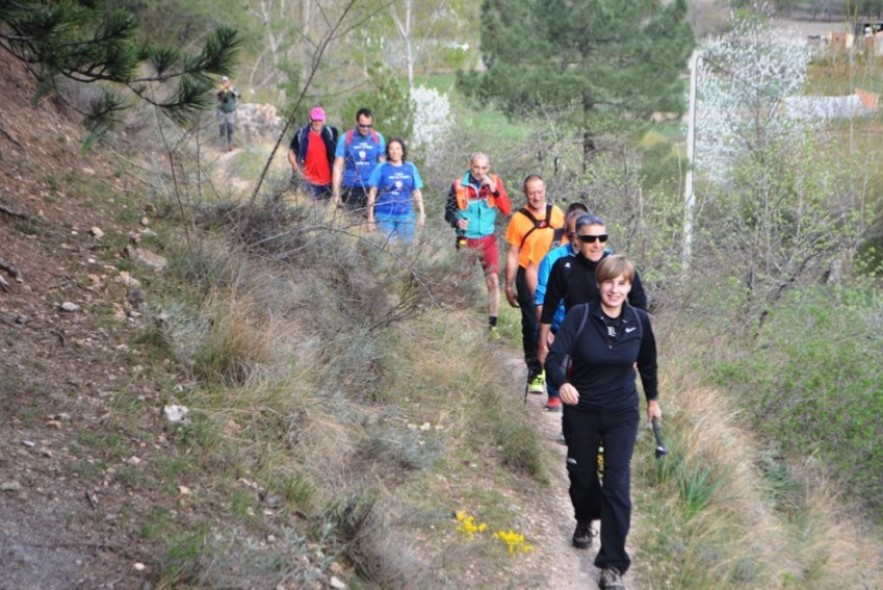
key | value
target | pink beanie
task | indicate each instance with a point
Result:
(317, 114)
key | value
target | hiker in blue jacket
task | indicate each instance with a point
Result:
(358, 152)
(574, 211)
(604, 341)
(473, 204)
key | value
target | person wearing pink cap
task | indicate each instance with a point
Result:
(311, 155)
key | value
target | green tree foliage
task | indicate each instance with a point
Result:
(781, 7)
(593, 61)
(430, 35)
(389, 100)
(90, 43)
(172, 22)
(781, 210)
(871, 8)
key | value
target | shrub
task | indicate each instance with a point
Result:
(812, 383)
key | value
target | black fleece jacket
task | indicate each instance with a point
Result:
(603, 357)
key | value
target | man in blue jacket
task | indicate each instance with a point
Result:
(574, 210)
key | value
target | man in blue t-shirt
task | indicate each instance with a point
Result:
(358, 152)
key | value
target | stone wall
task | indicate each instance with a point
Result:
(258, 119)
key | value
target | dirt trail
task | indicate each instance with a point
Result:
(555, 564)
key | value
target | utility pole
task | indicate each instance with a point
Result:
(689, 195)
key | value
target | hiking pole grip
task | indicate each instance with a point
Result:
(657, 432)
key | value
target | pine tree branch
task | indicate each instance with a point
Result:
(85, 45)
(11, 139)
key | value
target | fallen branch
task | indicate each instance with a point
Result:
(10, 270)
(11, 139)
(11, 213)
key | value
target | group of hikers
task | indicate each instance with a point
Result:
(361, 171)
(585, 326)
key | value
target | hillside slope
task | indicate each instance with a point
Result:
(74, 489)
(90, 470)
(60, 524)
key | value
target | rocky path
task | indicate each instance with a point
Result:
(555, 564)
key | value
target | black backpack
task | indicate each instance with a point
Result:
(542, 224)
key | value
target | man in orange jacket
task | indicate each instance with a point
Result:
(532, 231)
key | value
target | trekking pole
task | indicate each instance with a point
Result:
(661, 451)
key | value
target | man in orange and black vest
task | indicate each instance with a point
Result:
(531, 233)
(471, 209)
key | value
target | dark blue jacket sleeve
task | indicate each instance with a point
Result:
(647, 366)
(637, 297)
(562, 347)
(451, 207)
(555, 288)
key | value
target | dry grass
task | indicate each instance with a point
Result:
(329, 389)
(755, 521)
(348, 413)
(372, 437)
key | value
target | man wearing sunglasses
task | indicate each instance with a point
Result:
(358, 152)
(572, 278)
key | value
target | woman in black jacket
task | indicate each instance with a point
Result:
(604, 341)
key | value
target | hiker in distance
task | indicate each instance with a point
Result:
(472, 206)
(227, 98)
(530, 234)
(604, 341)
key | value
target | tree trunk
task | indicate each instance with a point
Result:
(405, 30)
(306, 10)
(589, 146)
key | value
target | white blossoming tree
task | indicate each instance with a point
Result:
(779, 209)
(432, 117)
(744, 78)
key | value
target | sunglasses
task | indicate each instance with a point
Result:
(591, 239)
(365, 126)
